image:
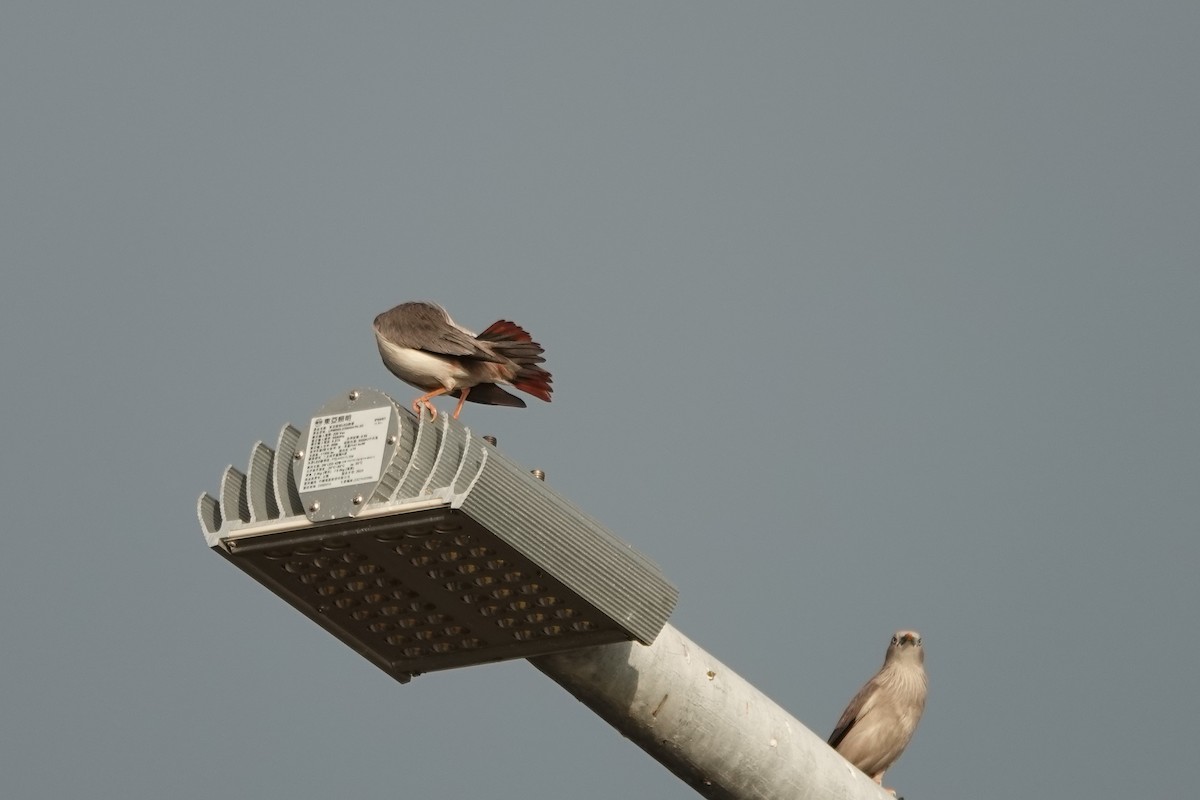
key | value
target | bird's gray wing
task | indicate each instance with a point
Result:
(424, 326)
(858, 708)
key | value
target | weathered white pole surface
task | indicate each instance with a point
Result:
(715, 731)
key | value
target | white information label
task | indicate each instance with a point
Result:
(345, 449)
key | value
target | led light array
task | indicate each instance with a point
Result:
(429, 596)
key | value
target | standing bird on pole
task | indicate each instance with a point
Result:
(880, 720)
(423, 347)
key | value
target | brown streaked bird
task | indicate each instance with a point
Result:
(423, 347)
(880, 720)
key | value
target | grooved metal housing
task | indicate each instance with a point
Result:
(450, 555)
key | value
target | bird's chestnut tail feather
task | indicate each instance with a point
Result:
(535, 381)
(512, 341)
(503, 330)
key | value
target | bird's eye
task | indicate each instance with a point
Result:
(895, 640)
(918, 641)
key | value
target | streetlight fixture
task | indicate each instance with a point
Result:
(423, 548)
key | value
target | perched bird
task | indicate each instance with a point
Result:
(423, 347)
(880, 720)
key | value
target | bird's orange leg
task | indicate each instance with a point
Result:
(423, 402)
(462, 398)
(888, 789)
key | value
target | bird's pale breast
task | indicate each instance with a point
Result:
(419, 368)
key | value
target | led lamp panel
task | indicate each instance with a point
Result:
(423, 591)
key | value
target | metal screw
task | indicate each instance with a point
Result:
(358, 498)
(299, 454)
(537, 473)
(354, 395)
(391, 440)
(314, 508)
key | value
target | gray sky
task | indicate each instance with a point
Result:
(888, 312)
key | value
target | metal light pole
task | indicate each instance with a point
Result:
(423, 548)
(704, 722)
